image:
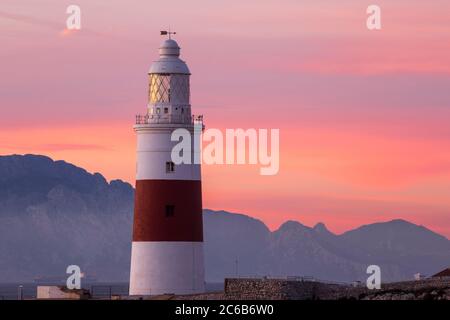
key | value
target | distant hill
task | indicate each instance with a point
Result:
(53, 214)
(400, 248)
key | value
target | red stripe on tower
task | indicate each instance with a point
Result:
(182, 215)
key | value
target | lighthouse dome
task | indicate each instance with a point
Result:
(169, 47)
(169, 59)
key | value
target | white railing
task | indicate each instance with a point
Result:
(157, 118)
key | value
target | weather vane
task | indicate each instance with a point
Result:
(169, 33)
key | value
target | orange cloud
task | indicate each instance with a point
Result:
(67, 32)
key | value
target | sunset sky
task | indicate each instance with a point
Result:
(364, 116)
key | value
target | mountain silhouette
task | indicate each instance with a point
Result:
(54, 214)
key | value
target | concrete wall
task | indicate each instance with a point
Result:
(55, 292)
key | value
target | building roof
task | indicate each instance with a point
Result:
(443, 273)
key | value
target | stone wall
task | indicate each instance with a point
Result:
(278, 289)
(282, 289)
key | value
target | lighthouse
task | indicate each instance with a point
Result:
(167, 247)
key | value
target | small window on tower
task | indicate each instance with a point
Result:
(158, 110)
(182, 110)
(170, 210)
(166, 110)
(170, 167)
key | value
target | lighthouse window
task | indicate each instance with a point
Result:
(170, 167)
(159, 88)
(170, 210)
(166, 110)
(169, 88)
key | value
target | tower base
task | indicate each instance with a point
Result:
(159, 267)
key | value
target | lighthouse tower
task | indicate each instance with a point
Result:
(167, 249)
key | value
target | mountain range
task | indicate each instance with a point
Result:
(54, 214)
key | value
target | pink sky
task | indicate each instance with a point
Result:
(363, 115)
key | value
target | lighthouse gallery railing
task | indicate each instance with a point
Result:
(150, 119)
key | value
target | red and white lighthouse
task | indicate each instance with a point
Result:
(167, 249)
